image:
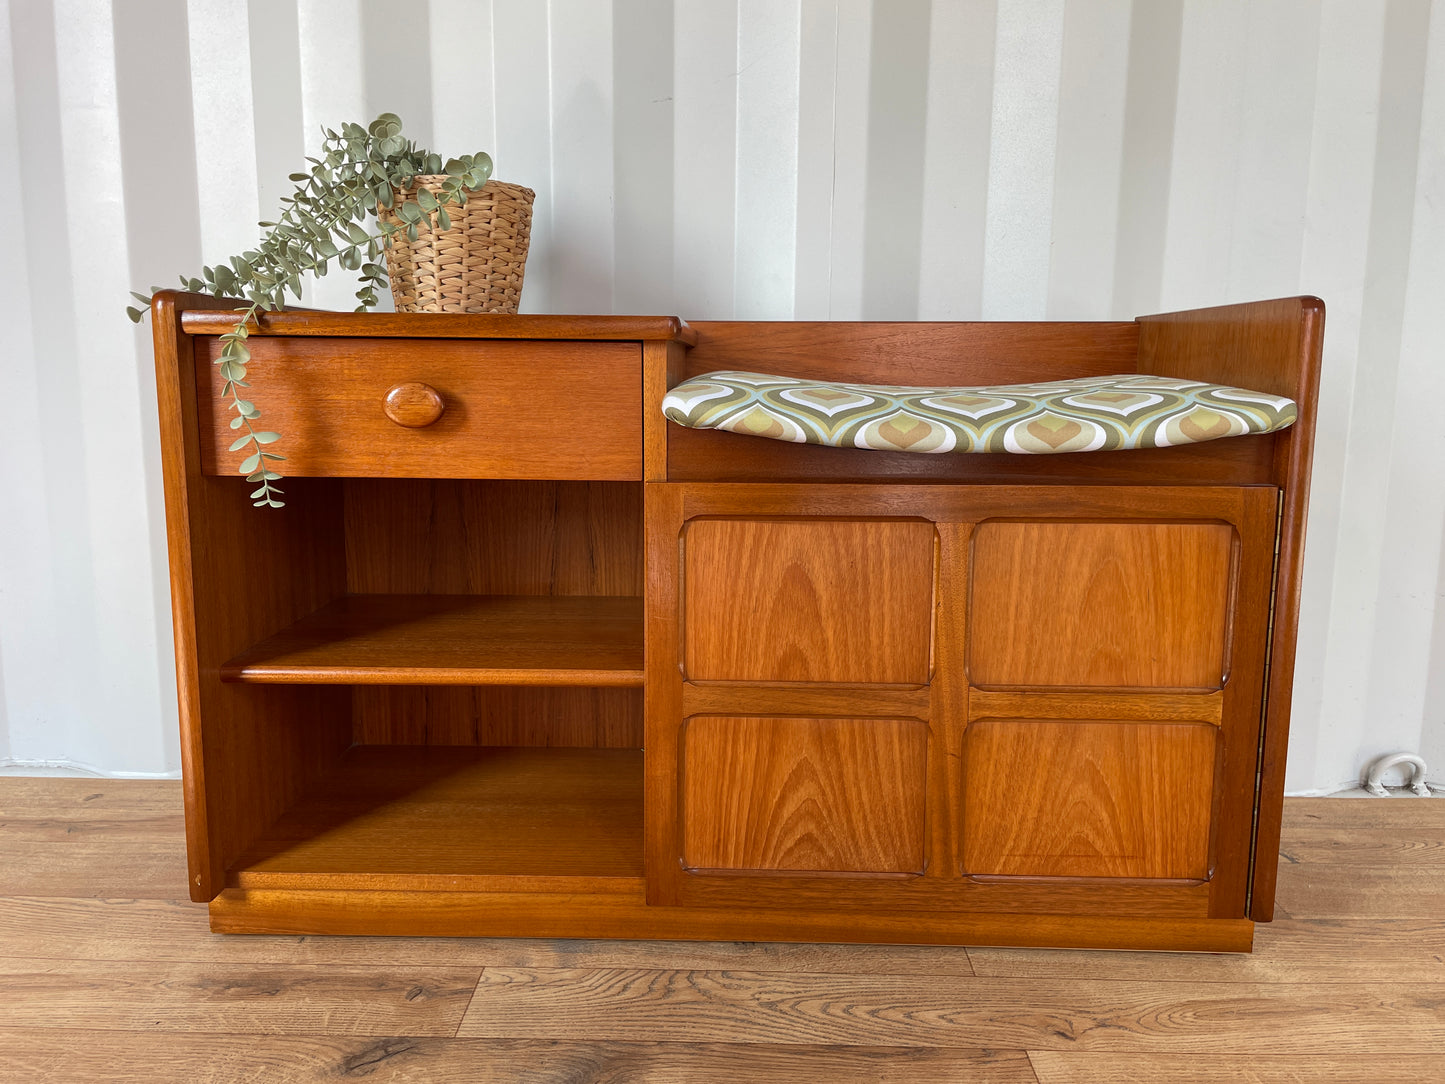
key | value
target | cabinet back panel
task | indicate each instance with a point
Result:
(800, 794)
(819, 600)
(434, 536)
(994, 352)
(1100, 604)
(1088, 799)
(497, 715)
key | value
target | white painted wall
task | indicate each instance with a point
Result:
(953, 159)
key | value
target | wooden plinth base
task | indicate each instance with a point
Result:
(523, 914)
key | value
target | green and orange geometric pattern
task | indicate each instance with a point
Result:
(1090, 414)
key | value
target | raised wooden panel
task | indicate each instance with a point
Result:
(1088, 799)
(808, 600)
(510, 409)
(1100, 604)
(806, 795)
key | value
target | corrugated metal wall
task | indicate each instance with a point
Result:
(822, 159)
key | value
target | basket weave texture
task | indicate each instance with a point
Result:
(477, 265)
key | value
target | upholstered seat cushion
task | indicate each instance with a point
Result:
(1090, 414)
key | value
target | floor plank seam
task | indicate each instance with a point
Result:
(456, 1033)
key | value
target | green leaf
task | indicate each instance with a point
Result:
(250, 463)
(258, 493)
(386, 124)
(426, 199)
(444, 220)
(237, 422)
(267, 438)
(409, 212)
(240, 442)
(136, 315)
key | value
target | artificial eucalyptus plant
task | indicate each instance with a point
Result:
(360, 172)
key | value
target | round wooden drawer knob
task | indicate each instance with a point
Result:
(414, 404)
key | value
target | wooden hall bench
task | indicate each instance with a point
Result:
(553, 665)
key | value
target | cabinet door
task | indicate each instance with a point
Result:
(990, 699)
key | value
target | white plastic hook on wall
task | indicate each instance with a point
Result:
(1415, 782)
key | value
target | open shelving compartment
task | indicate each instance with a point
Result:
(472, 677)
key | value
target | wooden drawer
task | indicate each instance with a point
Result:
(558, 410)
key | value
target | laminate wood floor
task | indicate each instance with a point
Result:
(105, 975)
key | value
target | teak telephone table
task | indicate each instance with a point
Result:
(521, 658)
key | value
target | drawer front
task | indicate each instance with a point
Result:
(558, 410)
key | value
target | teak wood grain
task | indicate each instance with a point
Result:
(482, 537)
(454, 640)
(511, 409)
(1088, 799)
(860, 631)
(822, 601)
(413, 404)
(247, 753)
(1078, 704)
(448, 819)
(1220, 814)
(354, 912)
(1100, 604)
(206, 315)
(1278, 346)
(748, 698)
(798, 794)
(524, 715)
(915, 352)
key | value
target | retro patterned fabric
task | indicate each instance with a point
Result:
(1091, 414)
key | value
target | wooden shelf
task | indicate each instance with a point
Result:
(454, 640)
(461, 818)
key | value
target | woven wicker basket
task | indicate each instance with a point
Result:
(477, 265)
